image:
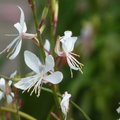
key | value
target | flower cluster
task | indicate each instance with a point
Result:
(41, 72)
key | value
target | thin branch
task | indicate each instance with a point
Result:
(8, 78)
(22, 114)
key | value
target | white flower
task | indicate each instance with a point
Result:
(65, 103)
(17, 42)
(13, 74)
(47, 47)
(118, 110)
(41, 73)
(6, 90)
(68, 46)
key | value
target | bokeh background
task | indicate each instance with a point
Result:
(97, 25)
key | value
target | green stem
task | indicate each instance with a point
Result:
(17, 109)
(75, 105)
(22, 114)
(7, 78)
(49, 115)
(81, 111)
(33, 6)
(57, 102)
(52, 29)
(2, 117)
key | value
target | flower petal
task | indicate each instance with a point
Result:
(18, 27)
(66, 96)
(21, 29)
(10, 45)
(13, 74)
(65, 102)
(16, 50)
(10, 83)
(71, 43)
(71, 65)
(24, 28)
(21, 17)
(32, 61)
(49, 64)
(1, 95)
(118, 109)
(9, 98)
(25, 83)
(68, 43)
(68, 33)
(2, 84)
(47, 46)
(54, 78)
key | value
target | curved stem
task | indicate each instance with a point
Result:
(75, 105)
(81, 111)
(56, 95)
(49, 115)
(22, 114)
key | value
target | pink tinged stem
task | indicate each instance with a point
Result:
(36, 41)
(41, 23)
(55, 116)
(59, 63)
(29, 1)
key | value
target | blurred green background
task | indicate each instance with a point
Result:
(97, 25)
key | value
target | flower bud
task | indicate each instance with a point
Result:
(56, 11)
(44, 13)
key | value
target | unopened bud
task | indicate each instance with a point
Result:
(42, 28)
(44, 13)
(29, 1)
(43, 17)
(53, 5)
(36, 40)
(56, 11)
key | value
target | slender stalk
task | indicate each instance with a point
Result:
(17, 109)
(52, 28)
(2, 117)
(75, 105)
(57, 102)
(7, 78)
(49, 115)
(33, 6)
(53, 31)
(81, 111)
(22, 114)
